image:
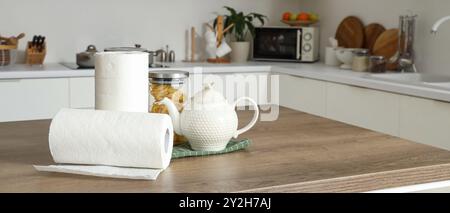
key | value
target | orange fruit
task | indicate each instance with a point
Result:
(287, 16)
(303, 17)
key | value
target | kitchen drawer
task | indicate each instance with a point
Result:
(425, 121)
(303, 94)
(367, 108)
(233, 86)
(82, 93)
(32, 99)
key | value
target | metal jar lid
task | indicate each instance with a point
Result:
(136, 48)
(377, 58)
(167, 76)
(361, 52)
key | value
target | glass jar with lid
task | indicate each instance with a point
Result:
(168, 84)
(361, 60)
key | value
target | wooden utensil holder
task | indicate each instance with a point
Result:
(35, 56)
(220, 33)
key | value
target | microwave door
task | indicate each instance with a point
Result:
(275, 44)
(299, 45)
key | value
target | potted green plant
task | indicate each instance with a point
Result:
(243, 26)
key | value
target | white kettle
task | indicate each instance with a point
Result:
(208, 121)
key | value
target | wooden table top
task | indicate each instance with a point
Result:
(296, 148)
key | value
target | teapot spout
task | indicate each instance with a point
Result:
(174, 114)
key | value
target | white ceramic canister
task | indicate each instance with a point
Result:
(330, 57)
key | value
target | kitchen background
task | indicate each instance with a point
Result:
(432, 50)
(71, 25)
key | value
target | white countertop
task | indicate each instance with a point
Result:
(23, 71)
(314, 71)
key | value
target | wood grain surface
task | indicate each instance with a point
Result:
(371, 34)
(387, 45)
(297, 148)
(350, 33)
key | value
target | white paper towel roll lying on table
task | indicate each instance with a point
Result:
(110, 143)
(121, 81)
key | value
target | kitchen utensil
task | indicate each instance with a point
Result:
(211, 46)
(152, 59)
(34, 41)
(345, 55)
(208, 121)
(41, 44)
(36, 50)
(372, 32)
(387, 46)
(331, 58)
(350, 33)
(167, 84)
(193, 43)
(136, 48)
(86, 59)
(163, 54)
(191, 57)
(172, 56)
(220, 31)
(377, 64)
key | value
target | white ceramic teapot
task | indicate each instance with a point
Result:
(208, 121)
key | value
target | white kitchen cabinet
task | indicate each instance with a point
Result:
(303, 94)
(367, 108)
(32, 99)
(82, 93)
(233, 86)
(425, 121)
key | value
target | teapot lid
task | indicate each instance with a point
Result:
(208, 96)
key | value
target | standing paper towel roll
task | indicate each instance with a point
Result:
(121, 81)
(140, 141)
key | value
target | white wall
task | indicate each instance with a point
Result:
(433, 51)
(71, 25)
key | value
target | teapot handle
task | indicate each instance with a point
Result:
(255, 116)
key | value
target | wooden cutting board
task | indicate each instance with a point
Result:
(387, 45)
(371, 34)
(350, 33)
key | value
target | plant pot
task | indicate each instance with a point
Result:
(240, 51)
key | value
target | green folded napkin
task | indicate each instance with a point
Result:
(184, 150)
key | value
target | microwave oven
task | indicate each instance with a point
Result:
(295, 44)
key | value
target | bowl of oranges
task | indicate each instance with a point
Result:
(300, 19)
